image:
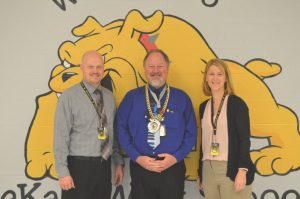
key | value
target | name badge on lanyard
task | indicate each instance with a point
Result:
(214, 149)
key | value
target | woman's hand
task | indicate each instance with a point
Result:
(240, 180)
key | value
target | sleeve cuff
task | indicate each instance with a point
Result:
(244, 169)
(118, 160)
(62, 172)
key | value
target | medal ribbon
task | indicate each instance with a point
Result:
(159, 116)
(157, 100)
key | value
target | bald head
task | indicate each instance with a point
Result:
(92, 68)
(90, 54)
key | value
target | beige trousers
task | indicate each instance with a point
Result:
(217, 186)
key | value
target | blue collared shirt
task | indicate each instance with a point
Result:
(179, 120)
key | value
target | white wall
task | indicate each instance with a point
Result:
(32, 31)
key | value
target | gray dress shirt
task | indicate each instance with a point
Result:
(75, 127)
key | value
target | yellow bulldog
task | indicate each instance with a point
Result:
(124, 44)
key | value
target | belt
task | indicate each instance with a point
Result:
(87, 158)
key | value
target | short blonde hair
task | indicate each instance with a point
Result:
(223, 66)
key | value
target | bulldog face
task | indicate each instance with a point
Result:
(119, 44)
(117, 69)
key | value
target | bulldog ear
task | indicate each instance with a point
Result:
(263, 68)
(135, 23)
(88, 27)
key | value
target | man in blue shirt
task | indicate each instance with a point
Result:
(157, 128)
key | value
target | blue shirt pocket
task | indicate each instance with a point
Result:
(173, 119)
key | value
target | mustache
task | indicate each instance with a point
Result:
(155, 74)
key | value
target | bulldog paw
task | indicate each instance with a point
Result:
(276, 160)
(39, 146)
(41, 166)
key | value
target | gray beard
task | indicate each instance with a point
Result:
(157, 83)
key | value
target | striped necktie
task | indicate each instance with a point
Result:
(153, 139)
(105, 149)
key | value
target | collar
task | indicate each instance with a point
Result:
(156, 90)
(91, 88)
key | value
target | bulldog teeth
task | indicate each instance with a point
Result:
(66, 64)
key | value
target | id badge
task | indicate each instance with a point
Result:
(101, 133)
(214, 149)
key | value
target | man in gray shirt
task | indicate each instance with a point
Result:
(84, 138)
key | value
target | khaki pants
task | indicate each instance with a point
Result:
(217, 186)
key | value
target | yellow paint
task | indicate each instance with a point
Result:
(188, 52)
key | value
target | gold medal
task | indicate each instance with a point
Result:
(153, 126)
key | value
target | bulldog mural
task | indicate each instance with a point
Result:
(124, 44)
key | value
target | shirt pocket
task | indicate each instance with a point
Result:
(173, 119)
